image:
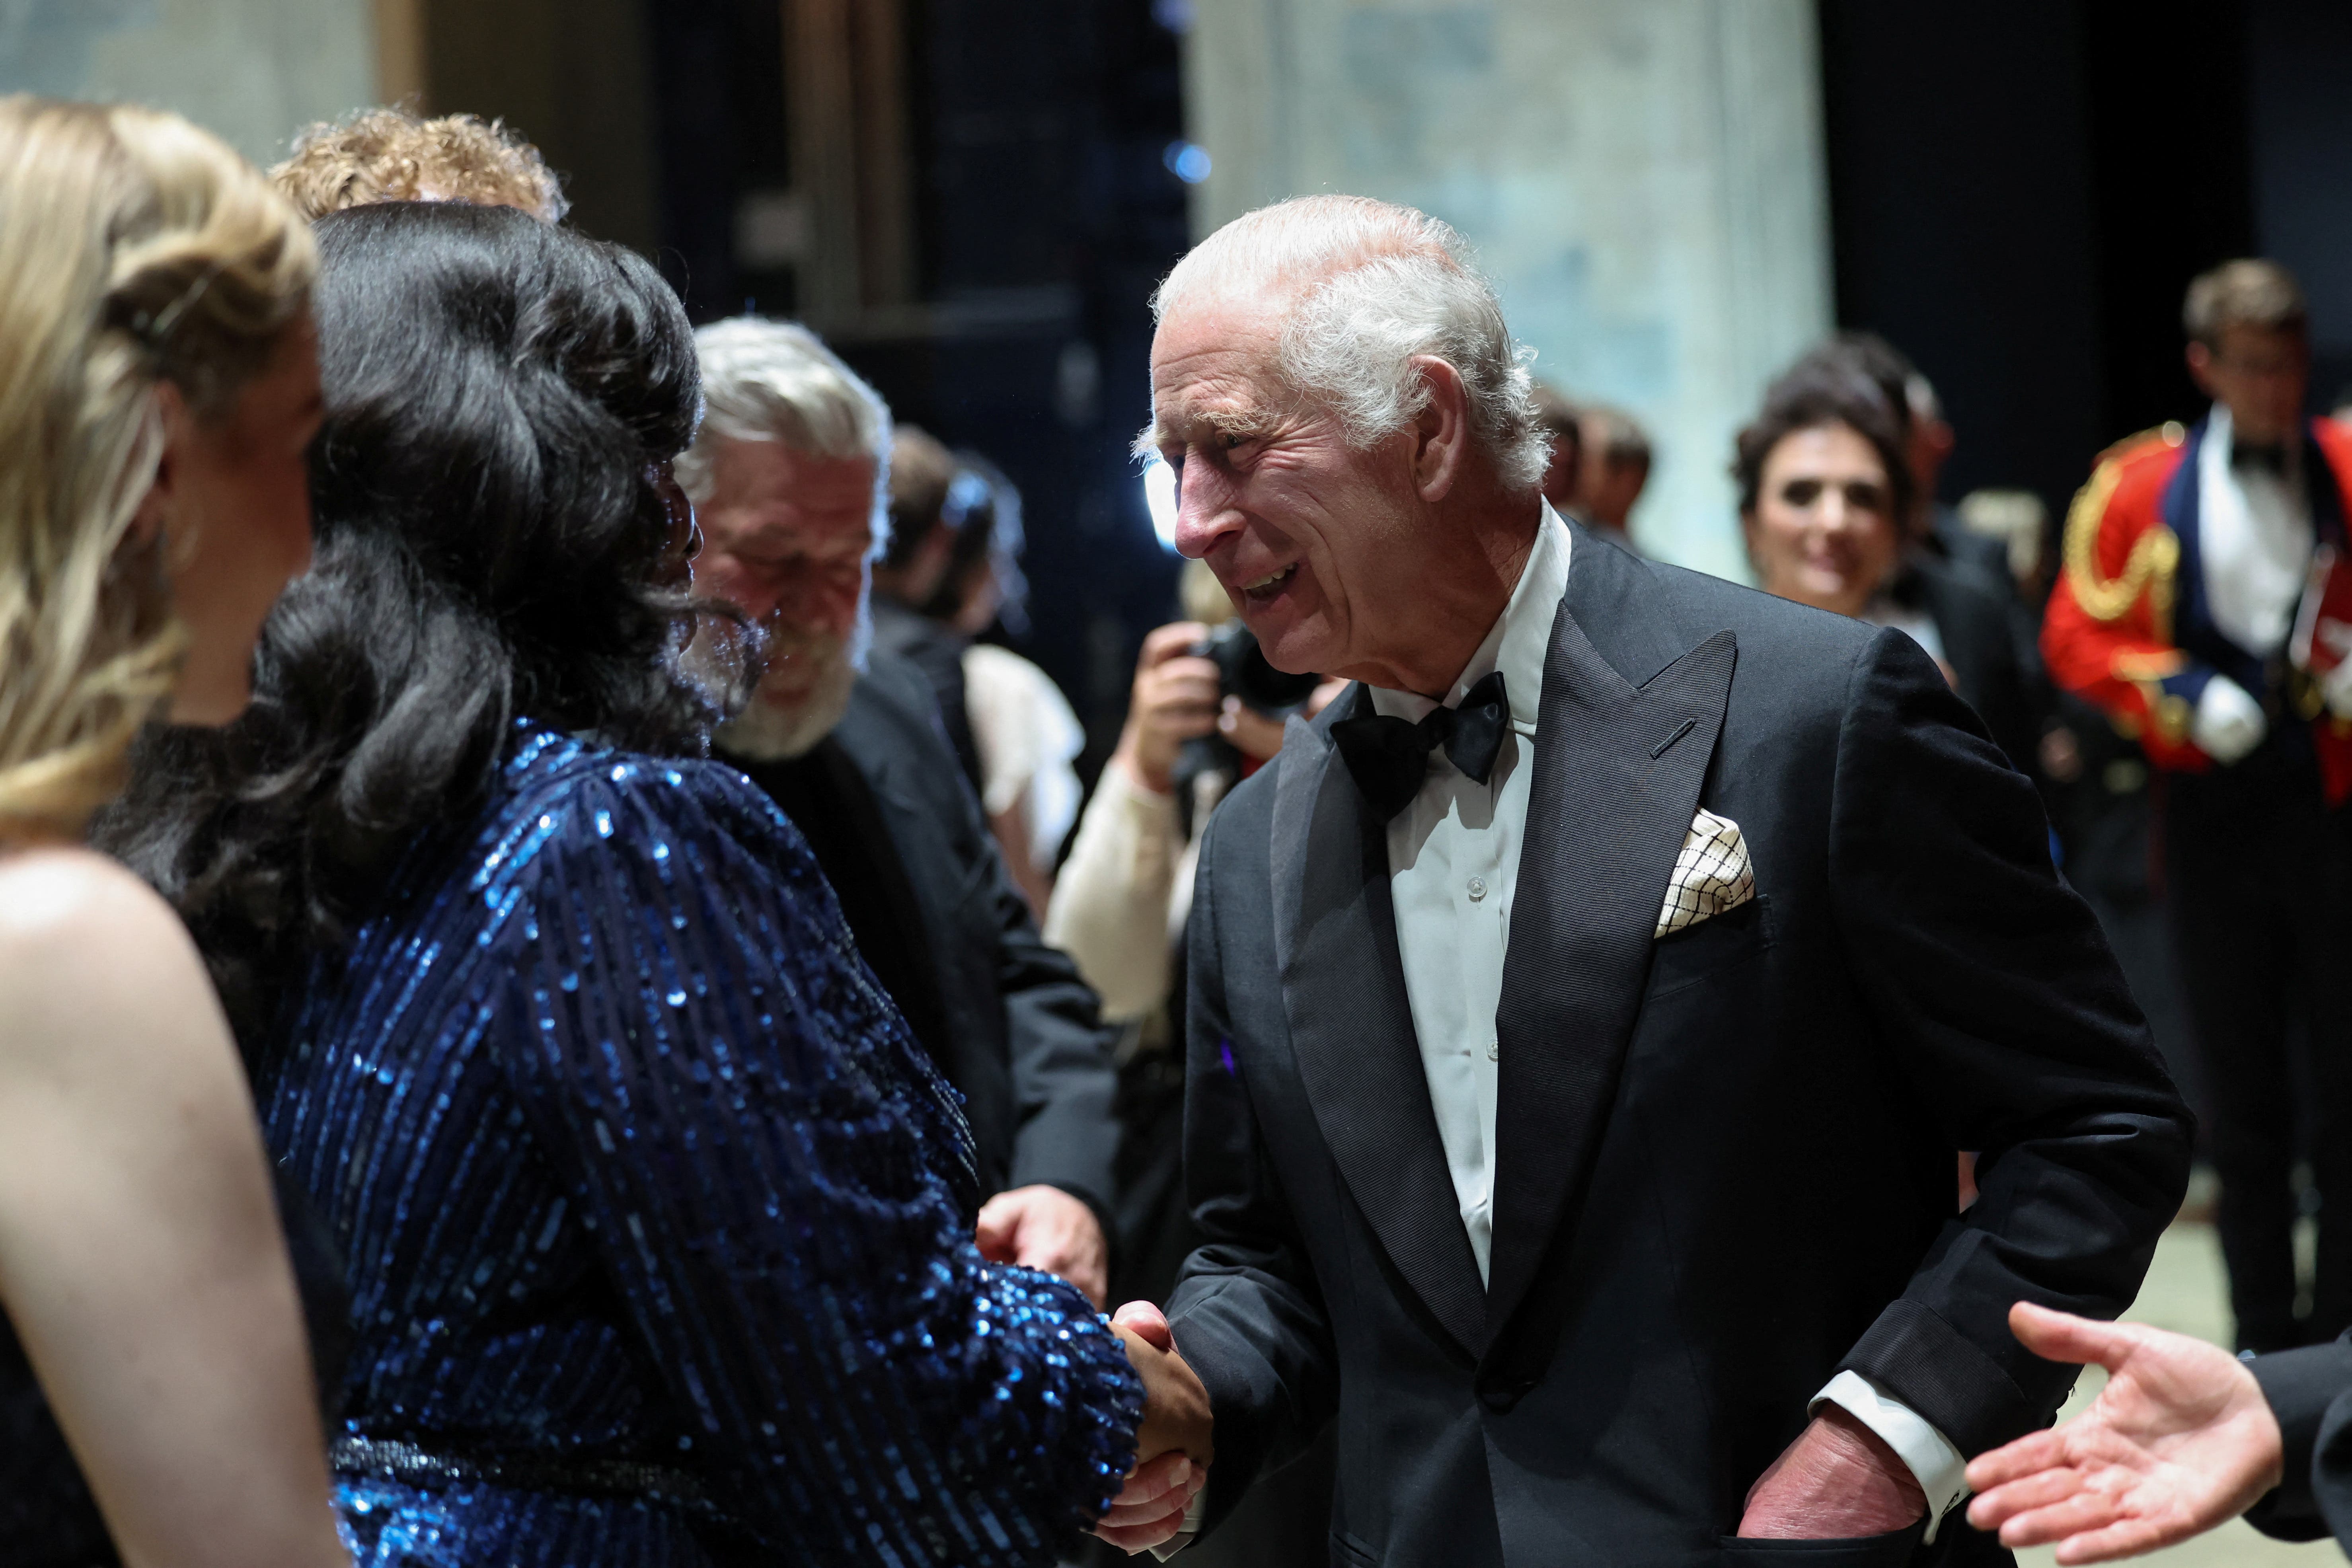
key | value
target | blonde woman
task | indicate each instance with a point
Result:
(158, 387)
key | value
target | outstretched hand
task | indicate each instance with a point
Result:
(2179, 1440)
(1174, 1444)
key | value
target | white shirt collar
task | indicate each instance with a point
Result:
(1518, 642)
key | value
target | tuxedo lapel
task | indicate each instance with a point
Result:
(1618, 770)
(1351, 1026)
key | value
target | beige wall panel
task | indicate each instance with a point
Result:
(1643, 178)
(253, 71)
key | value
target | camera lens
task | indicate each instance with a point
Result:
(1242, 671)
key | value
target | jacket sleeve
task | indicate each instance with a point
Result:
(2310, 1392)
(2106, 634)
(2005, 1014)
(1109, 911)
(777, 1179)
(1247, 1314)
(1064, 1077)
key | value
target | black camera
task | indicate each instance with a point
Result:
(1242, 671)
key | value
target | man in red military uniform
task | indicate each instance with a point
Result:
(2182, 611)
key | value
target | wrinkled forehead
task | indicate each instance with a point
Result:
(767, 488)
(1213, 366)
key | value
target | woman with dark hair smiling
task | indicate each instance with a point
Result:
(657, 1219)
(1823, 487)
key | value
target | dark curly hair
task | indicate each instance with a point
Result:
(495, 539)
(1821, 390)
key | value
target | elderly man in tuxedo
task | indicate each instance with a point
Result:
(1587, 1006)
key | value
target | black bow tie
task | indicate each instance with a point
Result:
(2246, 455)
(1389, 756)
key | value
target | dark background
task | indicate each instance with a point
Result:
(2020, 192)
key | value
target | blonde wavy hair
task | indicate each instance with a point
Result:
(134, 250)
(390, 155)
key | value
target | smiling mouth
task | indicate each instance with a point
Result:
(1266, 587)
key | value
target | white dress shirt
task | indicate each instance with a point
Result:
(1454, 859)
(1454, 862)
(2254, 539)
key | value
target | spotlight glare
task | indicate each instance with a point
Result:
(1159, 498)
(1188, 160)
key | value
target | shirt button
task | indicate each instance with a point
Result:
(1477, 889)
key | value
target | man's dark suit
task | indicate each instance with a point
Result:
(1725, 1158)
(2310, 1392)
(888, 813)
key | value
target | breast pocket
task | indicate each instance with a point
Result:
(1699, 953)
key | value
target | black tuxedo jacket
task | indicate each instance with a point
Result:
(1006, 1018)
(2310, 1392)
(1726, 1158)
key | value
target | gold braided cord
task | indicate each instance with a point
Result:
(2154, 558)
(2155, 664)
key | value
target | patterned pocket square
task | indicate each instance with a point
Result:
(1712, 874)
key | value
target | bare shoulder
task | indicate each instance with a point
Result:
(57, 905)
(85, 944)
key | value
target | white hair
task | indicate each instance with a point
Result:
(1365, 287)
(776, 381)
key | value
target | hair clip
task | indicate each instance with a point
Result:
(154, 328)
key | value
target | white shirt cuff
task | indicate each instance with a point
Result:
(1943, 1474)
(1183, 1537)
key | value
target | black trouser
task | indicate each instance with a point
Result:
(2259, 882)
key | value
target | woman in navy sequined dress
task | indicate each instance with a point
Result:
(657, 1219)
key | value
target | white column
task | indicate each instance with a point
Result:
(252, 71)
(1644, 179)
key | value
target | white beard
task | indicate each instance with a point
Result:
(770, 732)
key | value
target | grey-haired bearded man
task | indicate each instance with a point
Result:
(788, 477)
(1587, 1006)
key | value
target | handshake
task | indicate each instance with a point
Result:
(1173, 1446)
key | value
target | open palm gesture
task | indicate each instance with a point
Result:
(2179, 1440)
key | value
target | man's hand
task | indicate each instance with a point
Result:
(1175, 1444)
(2179, 1440)
(1045, 1227)
(1838, 1481)
(1253, 733)
(1259, 735)
(1175, 699)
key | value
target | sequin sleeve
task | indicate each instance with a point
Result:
(780, 1188)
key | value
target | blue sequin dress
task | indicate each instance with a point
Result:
(657, 1219)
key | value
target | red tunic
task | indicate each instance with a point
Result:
(2108, 633)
